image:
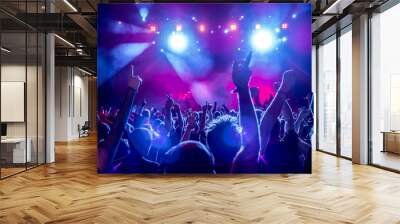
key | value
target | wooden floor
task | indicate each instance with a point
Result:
(70, 191)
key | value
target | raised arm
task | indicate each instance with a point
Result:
(191, 123)
(246, 160)
(203, 117)
(109, 148)
(168, 115)
(144, 103)
(214, 109)
(302, 115)
(274, 109)
(288, 116)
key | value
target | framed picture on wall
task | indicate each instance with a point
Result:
(204, 88)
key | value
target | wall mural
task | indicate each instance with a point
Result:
(204, 88)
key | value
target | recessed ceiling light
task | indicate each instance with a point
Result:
(5, 50)
(70, 5)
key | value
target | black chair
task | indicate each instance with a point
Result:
(84, 130)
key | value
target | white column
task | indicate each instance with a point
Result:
(360, 90)
(50, 92)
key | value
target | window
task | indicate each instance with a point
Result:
(385, 89)
(327, 96)
(346, 93)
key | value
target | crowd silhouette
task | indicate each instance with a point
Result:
(215, 139)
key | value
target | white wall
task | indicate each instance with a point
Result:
(314, 90)
(71, 102)
(16, 73)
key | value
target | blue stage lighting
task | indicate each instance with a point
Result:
(143, 13)
(177, 42)
(262, 40)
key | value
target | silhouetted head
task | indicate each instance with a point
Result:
(140, 140)
(217, 114)
(146, 113)
(188, 157)
(224, 140)
(156, 123)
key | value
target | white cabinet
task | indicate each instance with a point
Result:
(15, 149)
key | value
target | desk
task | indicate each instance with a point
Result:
(391, 141)
(13, 150)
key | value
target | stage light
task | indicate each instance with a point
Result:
(202, 28)
(233, 27)
(241, 17)
(258, 26)
(262, 40)
(284, 39)
(179, 27)
(153, 28)
(294, 16)
(143, 12)
(277, 30)
(154, 43)
(226, 31)
(177, 42)
(285, 26)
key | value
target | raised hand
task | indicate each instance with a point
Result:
(190, 125)
(214, 107)
(241, 72)
(169, 103)
(177, 108)
(134, 81)
(191, 121)
(288, 80)
(204, 108)
(144, 102)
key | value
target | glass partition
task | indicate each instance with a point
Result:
(22, 90)
(346, 93)
(327, 96)
(14, 153)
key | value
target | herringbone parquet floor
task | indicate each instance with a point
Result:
(70, 191)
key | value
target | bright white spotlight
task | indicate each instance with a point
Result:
(262, 40)
(177, 42)
(143, 13)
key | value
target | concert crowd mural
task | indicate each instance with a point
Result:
(204, 88)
